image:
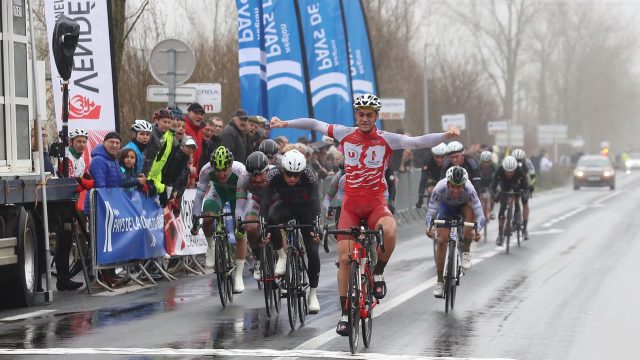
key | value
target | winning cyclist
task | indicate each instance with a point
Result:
(486, 171)
(510, 177)
(432, 171)
(452, 196)
(299, 198)
(530, 170)
(219, 180)
(367, 152)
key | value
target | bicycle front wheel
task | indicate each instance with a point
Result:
(291, 284)
(221, 270)
(449, 278)
(353, 297)
(266, 261)
(303, 308)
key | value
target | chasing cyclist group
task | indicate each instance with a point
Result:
(278, 189)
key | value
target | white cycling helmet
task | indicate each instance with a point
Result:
(294, 161)
(509, 163)
(367, 101)
(78, 132)
(141, 125)
(454, 146)
(519, 154)
(439, 150)
(485, 156)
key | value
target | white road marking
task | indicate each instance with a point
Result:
(218, 352)
(546, 232)
(565, 216)
(27, 315)
(607, 197)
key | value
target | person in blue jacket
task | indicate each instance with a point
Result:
(141, 135)
(105, 169)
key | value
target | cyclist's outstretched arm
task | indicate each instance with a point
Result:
(401, 141)
(335, 131)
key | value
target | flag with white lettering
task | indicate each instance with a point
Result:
(92, 98)
(327, 60)
(286, 78)
(252, 58)
(363, 77)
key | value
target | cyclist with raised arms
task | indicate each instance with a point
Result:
(510, 177)
(432, 171)
(530, 171)
(217, 185)
(452, 196)
(297, 187)
(367, 152)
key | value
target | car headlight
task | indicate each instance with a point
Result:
(579, 173)
(627, 163)
(607, 173)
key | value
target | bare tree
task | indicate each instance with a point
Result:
(498, 29)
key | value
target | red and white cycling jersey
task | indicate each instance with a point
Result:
(366, 155)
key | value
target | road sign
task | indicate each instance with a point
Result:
(162, 61)
(160, 93)
(496, 127)
(515, 137)
(392, 109)
(209, 95)
(458, 120)
(549, 134)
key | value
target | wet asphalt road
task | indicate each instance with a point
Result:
(568, 293)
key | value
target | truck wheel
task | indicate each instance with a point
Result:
(21, 279)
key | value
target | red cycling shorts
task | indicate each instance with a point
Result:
(358, 207)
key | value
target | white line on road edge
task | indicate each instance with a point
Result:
(217, 352)
(27, 315)
(565, 216)
(607, 197)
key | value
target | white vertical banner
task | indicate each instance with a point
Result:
(91, 97)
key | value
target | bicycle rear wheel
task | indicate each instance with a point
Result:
(353, 297)
(291, 285)
(221, 270)
(509, 229)
(367, 322)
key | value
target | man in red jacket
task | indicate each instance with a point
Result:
(193, 127)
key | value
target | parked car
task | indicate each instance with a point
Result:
(633, 162)
(594, 170)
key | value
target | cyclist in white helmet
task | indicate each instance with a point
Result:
(452, 196)
(530, 171)
(510, 177)
(297, 188)
(432, 171)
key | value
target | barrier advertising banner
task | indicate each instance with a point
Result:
(92, 99)
(286, 77)
(327, 60)
(252, 58)
(177, 230)
(129, 226)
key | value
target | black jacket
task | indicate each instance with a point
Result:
(304, 195)
(236, 142)
(175, 172)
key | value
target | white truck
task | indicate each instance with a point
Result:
(23, 258)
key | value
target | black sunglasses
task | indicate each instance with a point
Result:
(292, 174)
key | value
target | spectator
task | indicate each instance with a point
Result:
(141, 136)
(105, 169)
(176, 173)
(545, 163)
(76, 168)
(48, 164)
(210, 139)
(162, 120)
(282, 142)
(254, 135)
(128, 160)
(234, 136)
(406, 164)
(166, 132)
(193, 127)
(303, 140)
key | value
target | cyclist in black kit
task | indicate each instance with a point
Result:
(510, 177)
(298, 198)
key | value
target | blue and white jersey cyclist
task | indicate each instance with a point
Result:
(453, 196)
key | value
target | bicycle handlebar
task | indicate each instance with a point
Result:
(448, 222)
(216, 215)
(355, 231)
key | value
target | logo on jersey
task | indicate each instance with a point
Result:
(352, 152)
(375, 156)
